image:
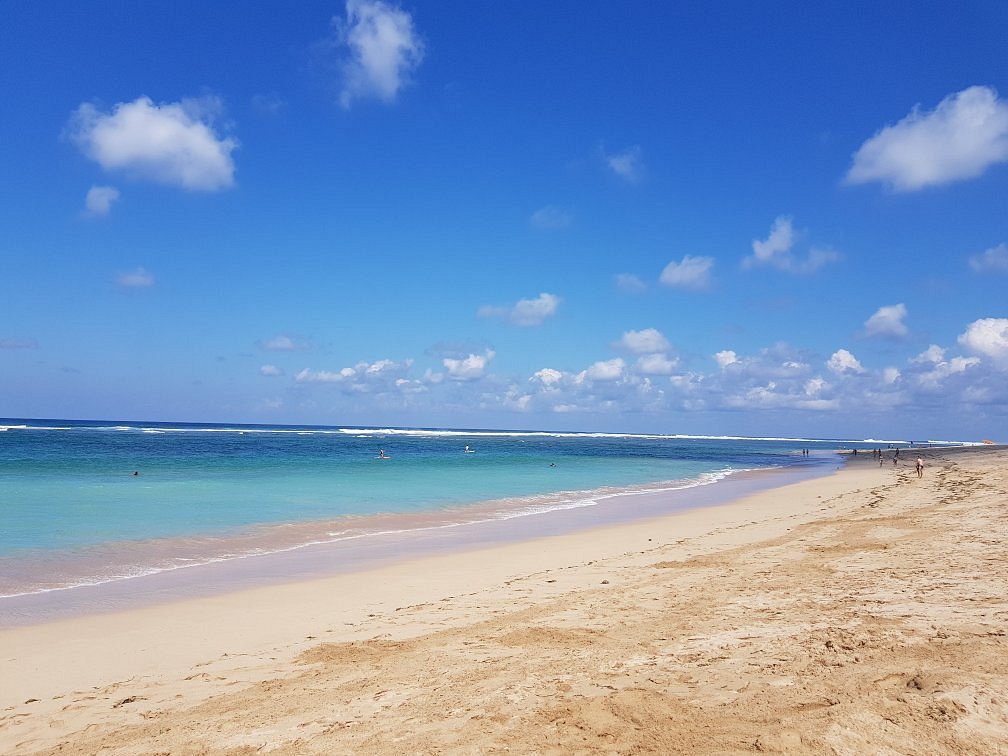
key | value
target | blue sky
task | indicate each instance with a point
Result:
(738, 218)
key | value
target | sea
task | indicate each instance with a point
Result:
(95, 515)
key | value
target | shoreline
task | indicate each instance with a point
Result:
(858, 611)
(367, 542)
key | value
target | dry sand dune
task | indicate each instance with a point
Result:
(861, 613)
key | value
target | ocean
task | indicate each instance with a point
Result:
(91, 504)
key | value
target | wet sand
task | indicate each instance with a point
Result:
(861, 612)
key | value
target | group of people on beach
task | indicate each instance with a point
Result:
(918, 467)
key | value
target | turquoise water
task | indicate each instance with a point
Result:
(74, 513)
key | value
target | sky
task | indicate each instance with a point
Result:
(779, 218)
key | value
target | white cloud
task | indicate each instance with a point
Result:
(270, 370)
(777, 245)
(843, 361)
(627, 164)
(647, 341)
(994, 258)
(468, 368)
(959, 139)
(888, 322)
(381, 50)
(135, 279)
(604, 370)
(933, 354)
(99, 200)
(656, 364)
(318, 376)
(890, 375)
(725, 358)
(526, 312)
(815, 386)
(281, 343)
(172, 143)
(552, 218)
(547, 376)
(989, 337)
(630, 283)
(934, 377)
(690, 273)
(777, 251)
(364, 377)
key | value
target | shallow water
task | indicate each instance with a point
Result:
(75, 514)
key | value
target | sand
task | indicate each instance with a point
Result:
(863, 612)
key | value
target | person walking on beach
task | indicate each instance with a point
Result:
(920, 467)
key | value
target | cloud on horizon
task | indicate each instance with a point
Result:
(960, 139)
(174, 144)
(468, 368)
(779, 378)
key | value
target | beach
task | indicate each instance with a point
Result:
(863, 611)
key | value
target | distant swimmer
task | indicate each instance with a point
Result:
(382, 455)
(469, 451)
(136, 472)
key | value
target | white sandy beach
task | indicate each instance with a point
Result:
(860, 612)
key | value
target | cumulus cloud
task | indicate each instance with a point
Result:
(647, 341)
(630, 283)
(994, 258)
(547, 376)
(843, 361)
(526, 312)
(628, 164)
(379, 50)
(468, 368)
(657, 364)
(725, 358)
(135, 279)
(690, 273)
(270, 370)
(604, 370)
(960, 139)
(171, 143)
(777, 251)
(364, 377)
(888, 322)
(551, 218)
(99, 199)
(988, 337)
